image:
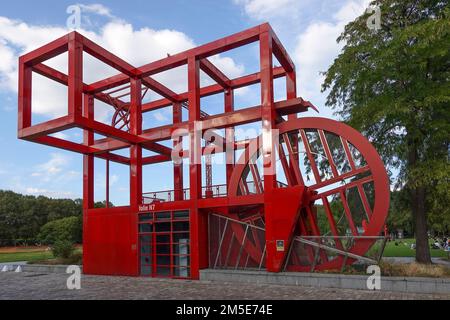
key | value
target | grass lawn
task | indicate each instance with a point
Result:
(403, 250)
(25, 256)
(30, 254)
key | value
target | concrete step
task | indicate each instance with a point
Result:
(326, 280)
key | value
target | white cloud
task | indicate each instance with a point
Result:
(316, 48)
(160, 117)
(136, 46)
(55, 166)
(228, 66)
(53, 178)
(61, 135)
(49, 193)
(113, 179)
(310, 28)
(97, 8)
(265, 9)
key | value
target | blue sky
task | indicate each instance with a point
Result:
(307, 28)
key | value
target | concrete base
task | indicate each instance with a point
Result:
(341, 281)
(37, 268)
(40, 268)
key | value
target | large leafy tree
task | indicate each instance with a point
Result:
(21, 217)
(393, 85)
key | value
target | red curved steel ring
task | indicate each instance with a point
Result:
(380, 180)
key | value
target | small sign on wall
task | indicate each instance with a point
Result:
(147, 208)
(280, 245)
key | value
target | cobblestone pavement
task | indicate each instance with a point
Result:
(53, 286)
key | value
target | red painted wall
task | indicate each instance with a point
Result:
(110, 242)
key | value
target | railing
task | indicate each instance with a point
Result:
(235, 244)
(252, 186)
(165, 196)
(215, 191)
(312, 250)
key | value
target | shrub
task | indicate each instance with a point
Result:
(63, 249)
(414, 270)
(66, 229)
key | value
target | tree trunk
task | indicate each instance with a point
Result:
(419, 214)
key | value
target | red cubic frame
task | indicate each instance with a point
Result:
(282, 213)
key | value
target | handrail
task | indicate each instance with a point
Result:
(219, 190)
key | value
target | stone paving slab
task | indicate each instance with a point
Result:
(38, 286)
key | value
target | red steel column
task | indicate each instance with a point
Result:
(135, 150)
(24, 103)
(178, 168)
(268, 124)
(291, 93)
(198, 220)
(229, 136)
(75, 76)
(135, 169)
(88, 178)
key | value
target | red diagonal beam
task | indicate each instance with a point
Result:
(112, 82)
(47, 51)
(79, 148)
(63, 144)
(215, 47)
(49, 127)
(348, 212)
(107, 57)
(217, 75)
(160, 89)
(332, 221)
(214, 89)
(228, 43)
(63, 79)
(221, 121)
(328, 153)
(114, 157)
(158, 148)
(310, 156)
(281, 53)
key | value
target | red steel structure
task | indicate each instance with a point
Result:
(318, 201)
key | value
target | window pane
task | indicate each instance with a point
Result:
(162, 227)
(177, 215)
(146, 239)
(163, 249)
(146, 217)
(163, 260)
(146, 260)
(146, 270)
(146, 249)
(145, 227)
(181, 226)
(179, 236)
(163, 271)
(182, 247)
(182, 272)
(163, 216)
(164, 238)
(181, 261)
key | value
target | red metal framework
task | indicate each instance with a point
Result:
(329, 184)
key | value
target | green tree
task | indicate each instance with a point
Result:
(393, 85)
(399, 212)
(66, 229)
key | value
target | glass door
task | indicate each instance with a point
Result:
(164, 243)
(146, 253)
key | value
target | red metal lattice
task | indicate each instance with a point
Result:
(308, 160)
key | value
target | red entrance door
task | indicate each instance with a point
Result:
(164, 244)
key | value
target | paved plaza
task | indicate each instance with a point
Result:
(53, 286)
